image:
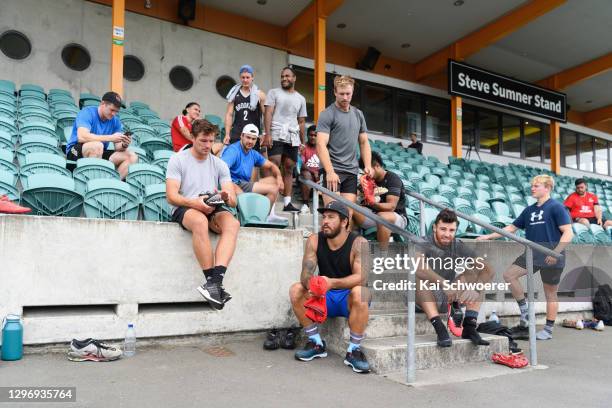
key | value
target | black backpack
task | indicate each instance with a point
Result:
(602, 304)
(500, 330)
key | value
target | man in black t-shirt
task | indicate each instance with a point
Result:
(458, 263)
(415, 143)
(392, 204)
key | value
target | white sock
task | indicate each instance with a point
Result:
(272, 210)
(286, 200)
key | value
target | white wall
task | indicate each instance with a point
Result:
(160, 45)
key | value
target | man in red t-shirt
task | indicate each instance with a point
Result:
(310, 163)
(584, 206)
(181, 126)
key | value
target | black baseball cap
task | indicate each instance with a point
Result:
(114, 98)
(335, 206)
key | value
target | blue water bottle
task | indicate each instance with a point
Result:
(12, 338)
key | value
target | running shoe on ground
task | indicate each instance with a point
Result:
(544, 335)
(288, 339)
(92, 350)
(599, 326)
(311, 351)
(272, 340)
(357, 361)
(520, 332)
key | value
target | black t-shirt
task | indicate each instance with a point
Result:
(394, 184)
(446, 263)
(418, 146)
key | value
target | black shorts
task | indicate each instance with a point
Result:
(76, 153)
(550, 276)
(592, 220)
(284, 149)
(348, 182)
(257, 147)
(179, 214)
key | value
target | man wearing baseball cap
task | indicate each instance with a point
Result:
(336, 251)
(97, 126)
(242, 158)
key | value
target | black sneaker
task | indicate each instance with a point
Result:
(212, 293)
(272, 340)
(311, 351)
(225, 296)
(290, 207)
(288, 339)
(357, 361)
(520, 332)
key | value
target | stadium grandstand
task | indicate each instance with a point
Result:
(497, 93)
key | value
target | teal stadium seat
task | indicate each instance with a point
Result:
(7, 185)
(153, 144)
(142, 153)
(161, 158)
(110, 199)
(37, 144)
(154, 203)
(141, 175)
(52, 194)
(253, 210)
(6, 141)
(41, 163)
(91, 169)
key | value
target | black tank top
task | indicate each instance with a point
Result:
(335, 264)
(243, 115)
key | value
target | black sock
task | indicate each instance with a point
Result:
(439, 327)
(219, 273)
(470, 332)
(208, 274)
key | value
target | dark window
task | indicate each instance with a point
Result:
(437, 116)
(408, 110)
(15, 45)
(181, 78)
(586, 153)
(533, 140)
(546, 135)
(601, 156)
(468, 126)
(76, 57)
(304, 85)
(224, 84)
(568, 149)
(133, 68)
(511, 136)
(378, 108)
(488, 129)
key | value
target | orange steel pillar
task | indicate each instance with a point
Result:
(319, 59)
(117, 46)
(555, 147)
(456, 127)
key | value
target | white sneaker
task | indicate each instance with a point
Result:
(579, 325)
(275, 218)
(600, 326)
(305, 209)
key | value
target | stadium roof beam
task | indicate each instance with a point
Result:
(572, 76)
(302, 25)
(598, 115)
(485, 36)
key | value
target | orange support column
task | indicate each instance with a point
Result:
(555, 147)
(319, 59)
(456, 127)
(117, 46)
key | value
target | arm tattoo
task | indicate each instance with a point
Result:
(309, 264)
(356, 256)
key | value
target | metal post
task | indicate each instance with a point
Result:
(410, 350)
(422, 228)
(533, 352)
(315, 212)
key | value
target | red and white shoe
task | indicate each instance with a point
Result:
(455, 318)
(517, 360)
(9, 207)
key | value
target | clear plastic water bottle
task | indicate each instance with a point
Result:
(493, 317)
(129, 345)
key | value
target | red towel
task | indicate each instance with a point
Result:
(316, 307)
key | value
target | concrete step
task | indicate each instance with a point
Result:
(381, 324)
(388, 354)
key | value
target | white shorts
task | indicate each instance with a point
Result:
(400, 221)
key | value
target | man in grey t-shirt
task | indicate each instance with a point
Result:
(340, 129)
(285, 120)
(191, 173)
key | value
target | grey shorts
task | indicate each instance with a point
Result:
(400, 221)
(246, 186)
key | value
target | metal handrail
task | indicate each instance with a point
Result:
(529, 248)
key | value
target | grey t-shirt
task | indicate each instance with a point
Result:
(197, 176)
(288, 107)
(343, 129)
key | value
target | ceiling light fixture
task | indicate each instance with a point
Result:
(341, 26)
(459, 3)
(262, 2)
(405, 45)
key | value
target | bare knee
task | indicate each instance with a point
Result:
(358, 297)
(511, 274)
(94, 149)
(296, 292)
(200, 228)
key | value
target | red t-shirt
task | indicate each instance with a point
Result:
(581, 206)
(311, 160)
(178, 140)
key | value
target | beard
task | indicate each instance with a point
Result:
(289, 86)
(333, 233)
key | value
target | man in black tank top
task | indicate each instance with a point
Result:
(241, 109)
(337, 253)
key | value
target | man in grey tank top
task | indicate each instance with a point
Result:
(192, 178)
(340, 129)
